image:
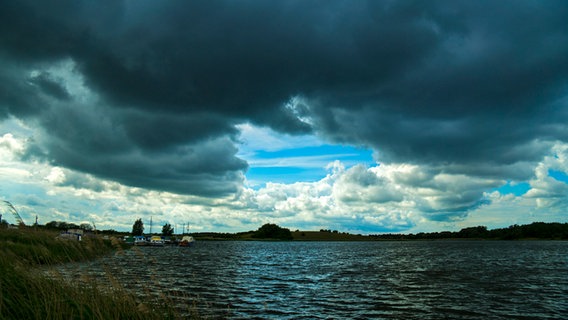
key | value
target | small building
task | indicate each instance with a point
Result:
(80, 232)
(72, 234)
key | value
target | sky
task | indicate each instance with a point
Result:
(357, 116)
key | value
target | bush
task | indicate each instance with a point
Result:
(272, 231)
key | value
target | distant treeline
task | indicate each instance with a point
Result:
(268, 231)
(215, 235)
(535, 230)
(272, 231)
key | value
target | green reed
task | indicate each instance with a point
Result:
(27, 292)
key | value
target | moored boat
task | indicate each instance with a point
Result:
(157, 241)
(186, 241)
(140, 241)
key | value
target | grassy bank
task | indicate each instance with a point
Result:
(27, 293)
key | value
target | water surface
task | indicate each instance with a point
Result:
(352, 280)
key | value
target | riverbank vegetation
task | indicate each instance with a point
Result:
(27, 292)
(533, 231)
(328, 235)
(271, 231)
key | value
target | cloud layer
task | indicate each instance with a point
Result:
(153, 94)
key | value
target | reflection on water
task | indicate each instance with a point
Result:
(352, 280)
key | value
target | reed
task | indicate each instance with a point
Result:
(27, 292)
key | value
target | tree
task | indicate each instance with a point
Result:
(86, 226)
(59, 225)
(167, 230)
(138, 228)
(272, 231)
(473, 232)
(51, 225)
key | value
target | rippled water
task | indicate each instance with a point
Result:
(353, 280)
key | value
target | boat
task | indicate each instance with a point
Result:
(186, 241)
(156, 241)
(140, 241)
(129, 240)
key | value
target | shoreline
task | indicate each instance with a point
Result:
(28, 293)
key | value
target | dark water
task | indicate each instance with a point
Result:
(353, 280)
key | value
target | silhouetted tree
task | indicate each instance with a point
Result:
(51, 225)
(473, 232)
(86, 226)
(60, 225)
(138, 228)
(272, 231)
(535, 230)
(167, 230)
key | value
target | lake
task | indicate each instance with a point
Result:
(350, 280)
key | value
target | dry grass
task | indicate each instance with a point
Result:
(28, 293)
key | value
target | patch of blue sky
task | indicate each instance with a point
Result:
(282, 158)
(326, 150)
(311, 157)
(304, 164)
(15, 127)
(13, 190)
(260, 175)
(517, 189)
(558, 175)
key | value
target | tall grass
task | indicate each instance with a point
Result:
(26, 292)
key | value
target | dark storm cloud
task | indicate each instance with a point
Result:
(103, 142)
(49, 86)
(495, 84)
(439, 82)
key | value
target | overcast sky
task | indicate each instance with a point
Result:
(359, 116)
